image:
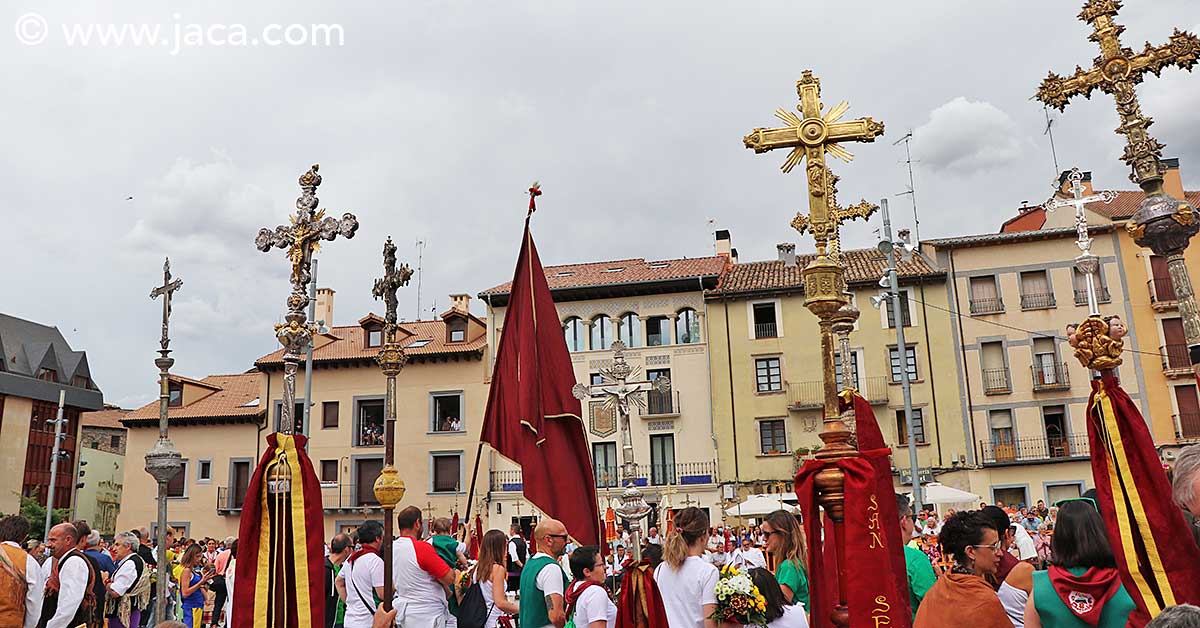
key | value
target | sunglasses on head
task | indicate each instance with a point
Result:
(1059, 503)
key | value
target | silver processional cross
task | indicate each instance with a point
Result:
(1087, 263)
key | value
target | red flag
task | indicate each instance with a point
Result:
(1159, 564)
(454, 524)
(871, 529)
(532, 418)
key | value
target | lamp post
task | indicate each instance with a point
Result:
(163, 461)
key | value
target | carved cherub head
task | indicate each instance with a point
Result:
(1071, 339)
(1116, 327)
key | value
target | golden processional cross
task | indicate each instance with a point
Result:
(837, 214)
(810, 136)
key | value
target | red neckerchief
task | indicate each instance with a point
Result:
(1086, 594)
(363, 552)
(574, 591)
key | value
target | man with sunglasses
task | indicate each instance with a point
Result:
(543, 581)
(19, 571)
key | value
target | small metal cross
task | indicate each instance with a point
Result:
(166, 291)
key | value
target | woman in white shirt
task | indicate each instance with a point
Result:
(587, 600)
(687, 582)
(490, 576)
(780, 614)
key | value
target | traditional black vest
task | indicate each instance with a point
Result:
(86, 612)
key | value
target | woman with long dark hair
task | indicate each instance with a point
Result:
(490, 576)
(688, 582)
(1082, 587)
(780, 612)
(786, 543)
(963, 597)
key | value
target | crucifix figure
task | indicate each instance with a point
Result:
(619, 392)
(1087, 263)
(301, 237)
(389, 487)
(837, 214)
(810, 136)
(166, 291)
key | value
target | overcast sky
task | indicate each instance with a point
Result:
(431, 119)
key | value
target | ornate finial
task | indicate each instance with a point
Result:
(1098, 342)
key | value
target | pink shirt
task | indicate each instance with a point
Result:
(222, 561)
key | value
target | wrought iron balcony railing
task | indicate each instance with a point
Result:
(336, 497)
(1187, 426)
(1037, 300)
(1050, 376)
(996, 381)
(987, 306)
(661, 403)
(1175, 358)
(609, 476)
(810, 395)
(1034, 449)
(1162, 291)
(765, 330)
(1102, 295)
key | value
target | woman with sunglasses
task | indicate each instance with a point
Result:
(963, 597)
(785, 542)
(1082, 588)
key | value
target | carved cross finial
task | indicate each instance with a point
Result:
(385, 287)
(166, 291)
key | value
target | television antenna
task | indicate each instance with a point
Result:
(912, 187)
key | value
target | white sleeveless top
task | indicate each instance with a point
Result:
(494, 612)
(1013, 600)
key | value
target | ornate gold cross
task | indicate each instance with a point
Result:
(810, 137)
(1116, 71)
(837, 215)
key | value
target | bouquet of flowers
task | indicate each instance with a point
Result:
(738, 600)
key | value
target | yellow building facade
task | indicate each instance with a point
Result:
(766, 384)
(657, 309)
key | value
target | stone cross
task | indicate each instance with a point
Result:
(811, 135)
(166, 291)
(1116, 71)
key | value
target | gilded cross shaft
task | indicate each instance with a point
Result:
(809, 136)
(1116, 71)
(837, 215)
(166, 291)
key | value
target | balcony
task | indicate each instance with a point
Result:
(335, 497)
(987, 306)
(765, 330)
(661, 404)
(1162, 293)
(1102, 296)
(1050, 377)
(810, 395)
(996, 381)
(1187, 426)
(1037, 301)
(1175, 360)
(677, 474)
(1032, 450)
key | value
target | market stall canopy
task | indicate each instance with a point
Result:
(938, 493)
(758, 505)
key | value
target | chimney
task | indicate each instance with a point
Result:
(1064, 183)
(461, 303)
(1172, 182)
(724, 244)
(787, 253)
(325, 306)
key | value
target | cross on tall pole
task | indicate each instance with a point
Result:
(1087, 263)
(164, 461)
(1162, 223)
(301, 238)
(809, 137)
(619, 392)
(838, 215)
(389, 487)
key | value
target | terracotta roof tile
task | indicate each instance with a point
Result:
(232, 399)
(1127, 202)
(862, 266)
(350, 343)
(1013, 236)
(108, 417)
(623, 271)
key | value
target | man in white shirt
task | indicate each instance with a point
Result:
(748, 556)
(652, 537)
(543, 582)
(518, 553)
(62, 606)
(19, 569)
(360, 581)
(130, 585)
(420, 575)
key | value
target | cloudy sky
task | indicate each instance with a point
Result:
(431, 118)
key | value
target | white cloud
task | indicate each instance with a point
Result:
(966, 137)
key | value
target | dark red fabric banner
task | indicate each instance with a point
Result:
(640, 604)
(1151, 540)
(532, 418)
(278, 581)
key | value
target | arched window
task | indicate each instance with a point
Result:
(629, 331)
(687, 327)
(602, 333)
(576, 334)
